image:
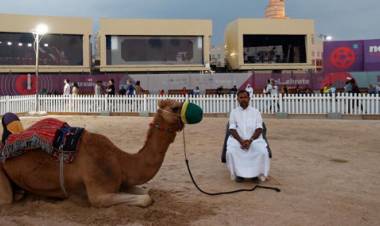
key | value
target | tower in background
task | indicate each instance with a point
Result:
(275, 9)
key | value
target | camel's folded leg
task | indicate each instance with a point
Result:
(6, 193)
(106, 200)
(137, 190)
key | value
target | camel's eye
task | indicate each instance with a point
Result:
(175, 109)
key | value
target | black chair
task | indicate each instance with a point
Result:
(224, 150)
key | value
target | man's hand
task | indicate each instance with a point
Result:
(245, 144)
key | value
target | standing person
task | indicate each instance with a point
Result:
(110, 90)
(196, 91)
(233, 90)
(66, 87)
(274, 90)
(284, 90)
(98, 88)
(130, 88)
(138, 89)
(377, 88)
(348, 85)
(184, 91)
(268, 87)
(274, 95)
(75, 89)
(250, 90)
(247, 154)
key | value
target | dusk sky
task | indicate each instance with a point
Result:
(343, 19)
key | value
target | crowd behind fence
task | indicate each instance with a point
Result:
(343, 103)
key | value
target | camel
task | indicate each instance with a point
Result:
(102, 171)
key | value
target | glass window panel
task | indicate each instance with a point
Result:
(55, 49)
(145, 50)
(269, 49)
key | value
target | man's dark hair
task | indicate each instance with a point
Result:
(242, 91)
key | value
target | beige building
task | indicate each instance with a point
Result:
(138, 45)
(217, 56)
(65, 48)
(317, 53)
(269, 44)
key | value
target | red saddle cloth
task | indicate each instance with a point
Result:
(40, 135)
(45, 129)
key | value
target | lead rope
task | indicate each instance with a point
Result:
(61, 175)
(219, 193)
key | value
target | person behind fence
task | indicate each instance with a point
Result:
(233, 90)
(196, 91)
(75, 89)
(110, 90)
(66, 87)
(377, 88)
(247, 154)
(98, 88)
(250, 90)
(138, 89)
(268, 87)
(130, 88)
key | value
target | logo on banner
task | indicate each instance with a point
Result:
(343, 57)
(25, 84)
(374, 49)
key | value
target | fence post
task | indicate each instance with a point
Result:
(333, 104)
(106, 103)
(145, 103)
(280, 102)
(7, 103)
(36, 103)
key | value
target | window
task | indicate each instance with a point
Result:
(55, 49)
(140, 50)
(268, 49)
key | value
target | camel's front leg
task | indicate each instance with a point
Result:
(107, 200)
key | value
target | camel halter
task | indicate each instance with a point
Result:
(218, 193)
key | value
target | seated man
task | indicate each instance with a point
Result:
(247, 154)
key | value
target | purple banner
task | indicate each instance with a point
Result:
(25, 84)
(291, 81)
(372, 55)
(343, 56)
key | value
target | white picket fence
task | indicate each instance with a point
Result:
(353, 104)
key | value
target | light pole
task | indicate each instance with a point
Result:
(38, 33)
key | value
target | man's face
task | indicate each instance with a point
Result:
(243, 100)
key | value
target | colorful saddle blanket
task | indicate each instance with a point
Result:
(51, 135)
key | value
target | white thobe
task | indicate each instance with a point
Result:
(249, 163)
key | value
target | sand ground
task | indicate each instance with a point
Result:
(328, 171)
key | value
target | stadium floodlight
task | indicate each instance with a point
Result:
(326, 37)
(329, 38)
(39, 31)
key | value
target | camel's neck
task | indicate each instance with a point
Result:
(141, 167)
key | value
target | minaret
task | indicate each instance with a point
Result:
(275, 9)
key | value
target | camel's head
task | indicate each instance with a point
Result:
(170, 111)
(176, 114)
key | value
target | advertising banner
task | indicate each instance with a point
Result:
(343, 56)
(25, 84)
(372, 55)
